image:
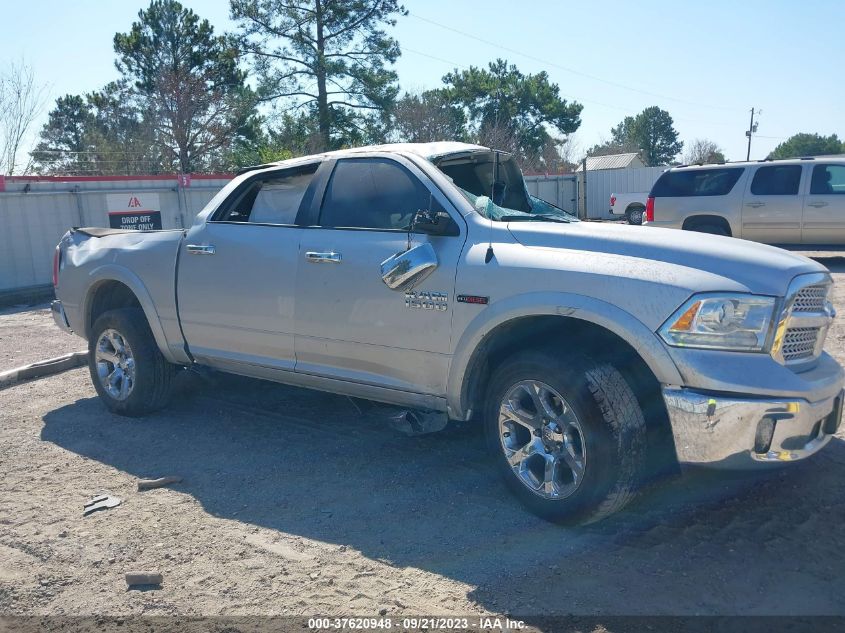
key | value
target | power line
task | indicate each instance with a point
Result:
(568, 69)
(465, 67)
(63, 152)
(573, 97)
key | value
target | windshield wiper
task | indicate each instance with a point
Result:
(542, 217)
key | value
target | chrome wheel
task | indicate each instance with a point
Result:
(542, 439)
(636, 216)
(115, 364)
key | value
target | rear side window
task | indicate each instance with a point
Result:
(372, 193)
(776, 180)
(828, 179)
(696, 182)
(271, 199)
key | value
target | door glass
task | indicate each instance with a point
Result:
(696, 182)
(372, 193)
(776, 180)
(828, 179)
(272, 199)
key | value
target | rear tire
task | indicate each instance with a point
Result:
(635, 216)
(713, 229)
(589, 421)
(129, 373)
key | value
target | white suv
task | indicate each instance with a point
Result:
(796, 201)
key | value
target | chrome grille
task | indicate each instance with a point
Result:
(806, 317)
(810, 299)
(800, 342)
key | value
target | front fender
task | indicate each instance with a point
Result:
(114, 272)
(575, 306)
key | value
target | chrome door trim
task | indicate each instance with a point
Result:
(199, 249)
(329, 257)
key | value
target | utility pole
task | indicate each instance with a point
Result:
(584, 190)
(751, 129)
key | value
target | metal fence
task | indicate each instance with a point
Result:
(36, 211)
(602, 183)
(567, 190)
(559, 190)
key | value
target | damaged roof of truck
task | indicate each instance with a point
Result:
(429, 151)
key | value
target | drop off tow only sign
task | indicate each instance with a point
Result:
(136, 211)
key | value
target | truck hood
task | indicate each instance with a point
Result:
(760, 268)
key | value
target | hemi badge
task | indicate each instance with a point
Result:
(473, 299)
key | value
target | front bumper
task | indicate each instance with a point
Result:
(728, 431)
(59, 316)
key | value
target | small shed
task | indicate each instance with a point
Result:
(612, 161)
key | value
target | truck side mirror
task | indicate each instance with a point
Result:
(434, 223)
(406, 269)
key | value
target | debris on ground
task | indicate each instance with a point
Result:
(418, 422)
(161, 482)
(135, 578)
(100, 502)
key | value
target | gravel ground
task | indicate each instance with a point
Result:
(297, 502)
(28, 334)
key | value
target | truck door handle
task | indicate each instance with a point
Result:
(818, 205)
(198, 249)
(754, 205)
(323, 258)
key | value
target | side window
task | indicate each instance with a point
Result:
(696, 182)
(828, 179)
(372, 193)
(272, 199)
(776, 180)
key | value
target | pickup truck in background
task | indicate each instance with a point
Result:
(631, 205)
(424, 276)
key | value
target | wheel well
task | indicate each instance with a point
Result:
(634, 205)
(597, 342)
(699, 220)
(109, 295)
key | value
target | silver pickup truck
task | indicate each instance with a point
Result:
(425, 276)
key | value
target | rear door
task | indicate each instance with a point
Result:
(696, 196)
(824, 206)
(772, 206)
(237, 274)
(349, 324)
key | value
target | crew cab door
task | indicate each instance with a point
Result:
(824, 206)
(772, 205)
(349, 324)
(237, 274)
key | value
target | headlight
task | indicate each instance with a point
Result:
(722, 321)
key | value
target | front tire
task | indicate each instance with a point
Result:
(568, 436)
(129, 373)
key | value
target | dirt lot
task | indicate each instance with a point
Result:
(296, 502)
(28, 334)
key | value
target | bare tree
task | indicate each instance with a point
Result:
(427, 116)
(21, 101)
(611, 147)
(552, 157)
(568, 151)
(702, 150)
(187, 81)
(498, 136)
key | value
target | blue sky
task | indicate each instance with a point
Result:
(707, 63)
